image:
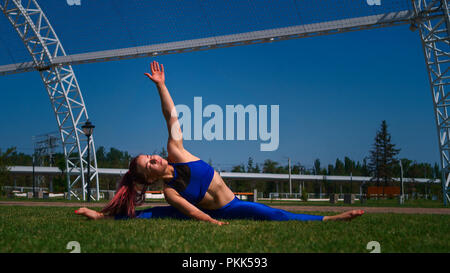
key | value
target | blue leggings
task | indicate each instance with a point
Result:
(236, 209)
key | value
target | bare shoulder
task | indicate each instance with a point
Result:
(168, 191)
(178, 154)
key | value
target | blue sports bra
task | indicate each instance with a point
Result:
(191, 179)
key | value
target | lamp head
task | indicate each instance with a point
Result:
(88, 128)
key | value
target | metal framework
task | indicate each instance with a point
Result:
(433, 21)
(431, 17)
(240, 39)
(62, 87)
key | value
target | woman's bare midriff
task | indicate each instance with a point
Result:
(217, 195)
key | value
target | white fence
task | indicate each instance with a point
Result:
(326, 197)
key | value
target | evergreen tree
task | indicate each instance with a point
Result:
(100, 154)
(349, 165)
(436, 171)
(270, 166)
(330, 169)
(297, 168)
(4, 169)
(339, 167)
(358, 169)
(317, 166)
(250, 167)
(365, 168)
(382, 156)
(238, 169)
(257, 169)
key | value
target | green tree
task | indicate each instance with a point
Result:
(365, 168)
(317, 166)
(330, 169)
(100, 154)
(270, 166)
(436, 171)
(339, 168)
(20, 159)
(251, 168)
(250, 165)
(382, 156)
(349, 165)
(238, 169)
(4, 167)
(256, 169)
(297, 168)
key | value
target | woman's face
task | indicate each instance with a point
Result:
(153, 166)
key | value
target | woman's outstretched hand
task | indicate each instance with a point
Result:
(157, 75)
(91, 214)
(219, 223)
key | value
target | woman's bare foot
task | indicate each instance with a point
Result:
(346, 216)
(91, 214)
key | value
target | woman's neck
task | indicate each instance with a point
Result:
(169, 173)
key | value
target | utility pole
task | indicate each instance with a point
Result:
(290, 181)
(351, 182)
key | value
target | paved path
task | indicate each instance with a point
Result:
(290, 208)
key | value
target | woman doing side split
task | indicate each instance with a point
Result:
(191, 187)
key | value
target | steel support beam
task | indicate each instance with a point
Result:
(255, 37)
(433, 21)
(62, 87)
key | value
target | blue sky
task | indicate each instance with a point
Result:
(333, 93)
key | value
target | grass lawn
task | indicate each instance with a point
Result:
(49, 229)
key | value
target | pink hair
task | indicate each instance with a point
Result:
(123, 202)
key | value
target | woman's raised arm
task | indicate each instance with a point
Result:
(168, 107)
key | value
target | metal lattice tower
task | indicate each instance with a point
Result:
(44, 149)
(432, 18)
(62, 87)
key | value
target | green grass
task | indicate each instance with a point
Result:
(49, 229)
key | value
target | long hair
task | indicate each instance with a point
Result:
(124, 201)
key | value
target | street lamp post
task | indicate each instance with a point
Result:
(402, 198)
(88, 129)
(34, 179)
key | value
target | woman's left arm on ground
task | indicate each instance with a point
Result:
(177, 201)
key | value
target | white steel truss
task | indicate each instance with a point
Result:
(62, 87)
(433, 21)
(240, 39)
